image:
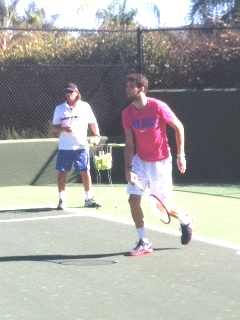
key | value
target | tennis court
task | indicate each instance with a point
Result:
(74, 264)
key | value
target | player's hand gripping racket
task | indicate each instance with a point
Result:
(158, 208)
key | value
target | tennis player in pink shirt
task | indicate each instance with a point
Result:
(148, 157)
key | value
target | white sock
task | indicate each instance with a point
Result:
(88, 194)
(142, 233)
(62, 196)
(183, 218)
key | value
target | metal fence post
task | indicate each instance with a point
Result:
(140, 49)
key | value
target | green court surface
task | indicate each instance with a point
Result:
(74, 264)
(215, 208)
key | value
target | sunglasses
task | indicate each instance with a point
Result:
(68, 91)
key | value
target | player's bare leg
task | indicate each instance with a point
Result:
(87, 185)
(143, 246)
(86, 180)
(62, 178)
(136, 210)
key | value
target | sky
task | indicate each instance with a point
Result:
(172, 12)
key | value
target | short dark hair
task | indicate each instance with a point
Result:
(139, 79)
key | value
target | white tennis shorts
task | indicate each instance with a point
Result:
(155, 175)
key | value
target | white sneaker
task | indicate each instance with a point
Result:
(91, 203)
(141, 248)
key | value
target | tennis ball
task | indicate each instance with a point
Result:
(103, 162)
(92, 142)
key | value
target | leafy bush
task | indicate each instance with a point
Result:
(38, 63)
(7, 133)
(182, 58)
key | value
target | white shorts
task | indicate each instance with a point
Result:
(155, 175)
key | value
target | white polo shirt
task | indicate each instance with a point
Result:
(78, 118)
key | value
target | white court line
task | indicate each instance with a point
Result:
(220, 243)
(42, 218)
(90, 213)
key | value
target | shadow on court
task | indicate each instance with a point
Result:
(55, 258)
(77, 267)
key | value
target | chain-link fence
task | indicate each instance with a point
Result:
(34, 73)
(29, 95)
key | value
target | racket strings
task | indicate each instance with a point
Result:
(156, 205)
(159, 209)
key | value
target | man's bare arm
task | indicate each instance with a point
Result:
(177, 125)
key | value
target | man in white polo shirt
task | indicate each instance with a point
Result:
(71, 119)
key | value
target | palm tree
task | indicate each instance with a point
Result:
(8, 19)
(8, 14)
(215, 11)
(36, 17)
(118, 14)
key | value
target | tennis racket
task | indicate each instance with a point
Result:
(157, 206)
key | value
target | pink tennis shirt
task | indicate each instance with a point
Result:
(149, 126)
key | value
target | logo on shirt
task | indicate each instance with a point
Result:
(144, 124)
